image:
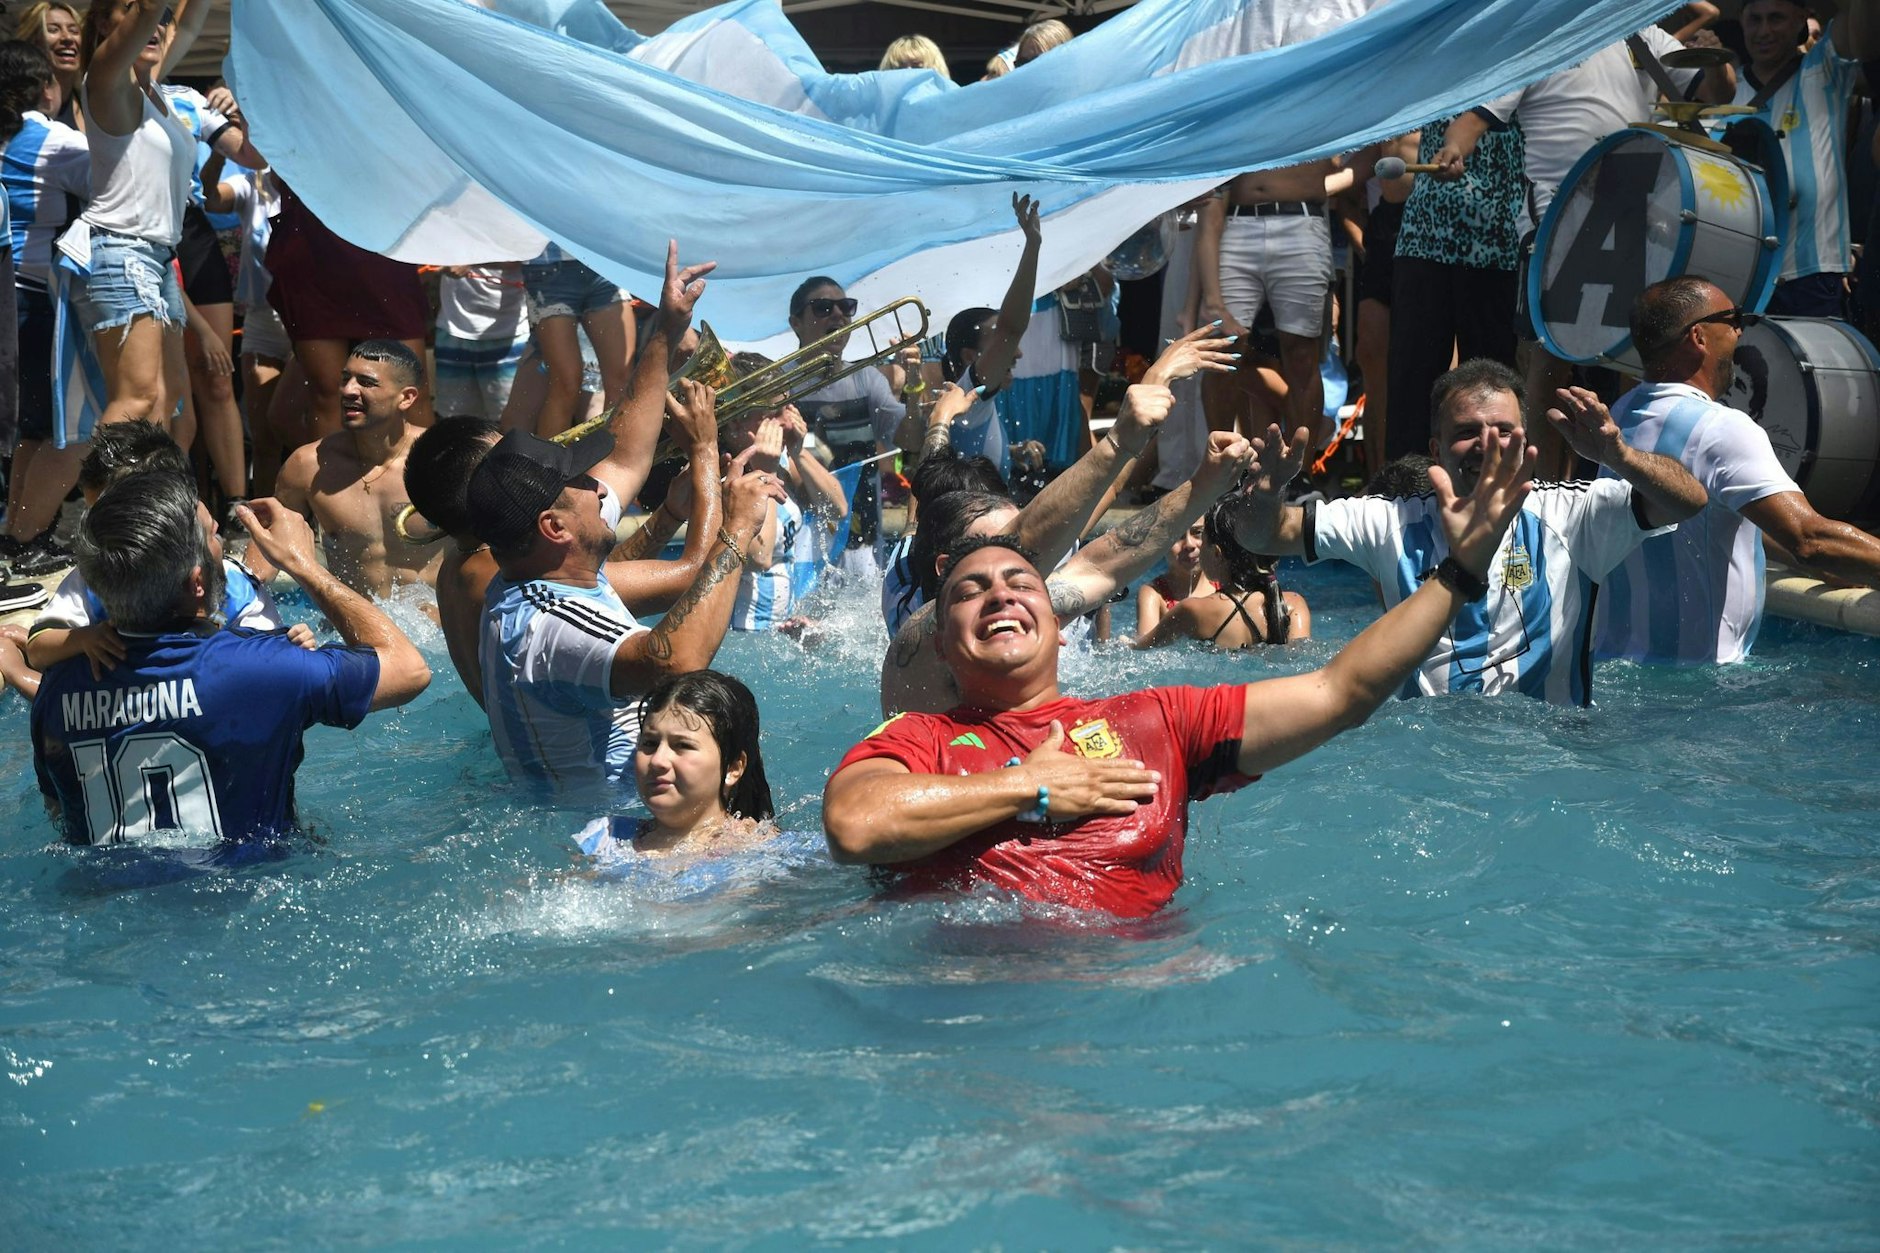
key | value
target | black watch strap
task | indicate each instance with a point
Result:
(1450, 574)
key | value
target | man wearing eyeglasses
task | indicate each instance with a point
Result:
(1697, 596)
(1527, 625)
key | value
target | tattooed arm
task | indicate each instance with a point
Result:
(688, 636)
(649, 586)
(1114, 558)
(912, 675)
(1069, 503)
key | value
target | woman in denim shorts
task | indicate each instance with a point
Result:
(561, 290)
(143, 154)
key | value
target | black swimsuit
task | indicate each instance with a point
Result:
(1240, 607)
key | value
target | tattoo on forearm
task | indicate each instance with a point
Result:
(1066, 601)
(659, 647)
(912, 638)
(638, 546)
(939, 438)
(1137, 527)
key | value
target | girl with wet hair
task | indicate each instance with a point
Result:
(1249, 609)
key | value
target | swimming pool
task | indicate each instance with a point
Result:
(1480, 972)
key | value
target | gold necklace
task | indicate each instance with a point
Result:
(366, 482)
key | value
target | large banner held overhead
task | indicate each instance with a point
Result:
(445, 132)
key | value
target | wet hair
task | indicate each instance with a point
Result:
(978, 543)
(1662, 311)
(138, 546)
(729, 710)
(406, 366)
(1248, 572)
(25, 73)
(799, 298)
(1475, 379)
(439, 466)
(1039, 38)
(911, 52)
(963, 332)
(945, 526)
(940, 474)
(1408, 475)
(123, 448)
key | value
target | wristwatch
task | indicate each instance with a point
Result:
(1450, 573)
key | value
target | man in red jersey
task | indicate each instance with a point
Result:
(1085, 802)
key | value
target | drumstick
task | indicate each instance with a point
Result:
(1396, 167)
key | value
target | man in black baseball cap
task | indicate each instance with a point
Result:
(563, 660)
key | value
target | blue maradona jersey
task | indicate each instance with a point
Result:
(192, 732)
(1532, 632)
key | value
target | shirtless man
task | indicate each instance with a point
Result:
(1266, 241)
(352, 483)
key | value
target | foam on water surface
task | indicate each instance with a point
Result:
(1479, 972)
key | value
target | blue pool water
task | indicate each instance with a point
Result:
(1480, 973)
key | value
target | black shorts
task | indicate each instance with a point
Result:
(1380, 252)
(206, 278)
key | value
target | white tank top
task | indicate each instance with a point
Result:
(140, 181)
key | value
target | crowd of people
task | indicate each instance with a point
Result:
(475, 462)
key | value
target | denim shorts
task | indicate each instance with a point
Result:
(566, 289)
(129, 278)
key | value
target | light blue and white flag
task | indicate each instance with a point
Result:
(439, 131)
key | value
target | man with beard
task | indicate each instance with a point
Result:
(563, 660)
(196, 728)
(1697, 596)
(352, 483)
(1526, 625)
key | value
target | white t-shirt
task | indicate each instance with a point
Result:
(140, 182)
(487, 303)
(257, 204)
(1530, 633)
(1696, 596)
(1566, 113)
(846, 404)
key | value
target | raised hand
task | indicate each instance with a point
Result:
(1276, 461)
(682, 287)
(282, 535)
(795, 430)
(748, 497)
(1474, 524)
(1225, 462)
(768, 446)
(1082, 787)
(1204, 348)
(694, 414)
(1025, 209)
(1145, 408)
(950, 403)
(1587, 425)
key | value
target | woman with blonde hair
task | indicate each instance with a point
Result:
(56, 27)
(915, 52)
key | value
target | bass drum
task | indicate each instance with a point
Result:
(1814, 385)
(1643, 205)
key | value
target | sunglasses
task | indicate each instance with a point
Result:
(824, 306)
(1736, 318)
(585, 483)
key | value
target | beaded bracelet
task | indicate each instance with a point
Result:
(1042, 811)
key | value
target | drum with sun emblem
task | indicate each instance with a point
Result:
(1646, 204)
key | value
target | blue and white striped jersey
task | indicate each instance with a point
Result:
(1697, 596)
(766, 597)
(1533, 631)
(189, 104)
(46, 170)
(245, 603)
(547, 656)
(1810, 113)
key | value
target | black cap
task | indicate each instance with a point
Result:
(522, 476)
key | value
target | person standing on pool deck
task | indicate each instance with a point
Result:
(1697, 596)
(564, 662)
(199, 728)
(1528, 626)
(1085, 802)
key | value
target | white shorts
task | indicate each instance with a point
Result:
(263, 335)
(1282, 261)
